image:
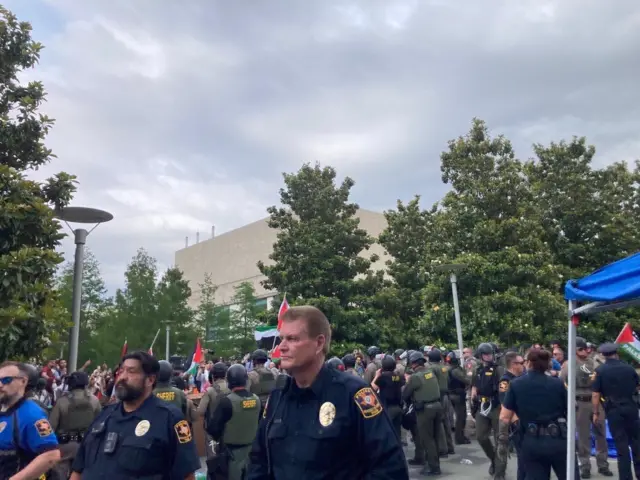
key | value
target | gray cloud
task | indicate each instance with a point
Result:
(179, 115)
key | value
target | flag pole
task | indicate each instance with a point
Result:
(284, 302)
(154, 340)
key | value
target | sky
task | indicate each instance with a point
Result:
(176, 116)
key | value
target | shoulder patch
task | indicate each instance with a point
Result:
(368, 403)
(183, 431)
(504, 386)
(43, 427)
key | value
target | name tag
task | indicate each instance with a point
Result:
(166, 396)
(395, 378)
(246, 404)
(488, 374)
(444, 369)
(428, 375)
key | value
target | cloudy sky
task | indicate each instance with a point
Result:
(179, 115)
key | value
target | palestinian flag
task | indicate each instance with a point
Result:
(196, 359)
(629, 342)
(265, 331)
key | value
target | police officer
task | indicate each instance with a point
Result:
(234, 425)
(484, 392)
(336, 364)
(388, 384)
(514, 364)
(32, 384)
(321, 423)
(398, 357)
(373, 365)
(540, 402)
(616, 383)
(423, 391)
(27, 442)
(263, 381)
(458, 383)
(70, 418)
(209, 401)
(349, 361)
(445, 442)
(139, 437)
(585, 374)
(165, 391)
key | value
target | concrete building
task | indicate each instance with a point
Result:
(231, 258)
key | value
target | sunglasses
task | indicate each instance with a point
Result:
(8, 380)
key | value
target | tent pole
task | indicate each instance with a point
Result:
(571, 394)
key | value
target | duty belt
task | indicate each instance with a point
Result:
(70, 437)
(551, 430)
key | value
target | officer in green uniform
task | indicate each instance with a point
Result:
(164, 390)
(458, 383)
(485, 390)
(263, 381)
(70, 418)
(398, 358)
(209, 401)
(441, 370)
(234, 425)
(374, 364)
(423, 391)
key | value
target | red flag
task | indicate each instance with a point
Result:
(150, 351)
(276, 352)
(124, 349)
(626, 335)
(284, 306)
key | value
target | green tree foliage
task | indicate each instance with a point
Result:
(245, 316)
(30, 312)
(317, 257)
(214, 321)
(172, 306)
(95, 307)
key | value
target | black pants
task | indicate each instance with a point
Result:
(395, 415)
(540, 454)
(624, 426)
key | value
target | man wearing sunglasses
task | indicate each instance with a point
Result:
(28, 446)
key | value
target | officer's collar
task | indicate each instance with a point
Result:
(318, 386)
(120, 412)
(14, 407)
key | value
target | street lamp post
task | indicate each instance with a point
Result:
(166, 348)
(452, 268)
(86, 216)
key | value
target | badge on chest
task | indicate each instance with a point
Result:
(327, 414)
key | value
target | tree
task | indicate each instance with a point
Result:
(245, 316)
(490, 221)
(214, 321)
(172, 306)
(406, 239)
(317, 256)
(30, 312)
(95, 305)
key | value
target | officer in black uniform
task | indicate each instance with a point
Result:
(234, 425)
(388, 385)
(616, 383)
(484, 392)
(336, 364)
(322, 423)
(139, 437)
(540, 402)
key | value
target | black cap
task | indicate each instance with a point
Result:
(608, 348)
(580, 342)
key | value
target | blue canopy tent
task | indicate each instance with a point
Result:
(614, 286)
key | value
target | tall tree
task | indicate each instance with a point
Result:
(30, 312)
(172, 301)
(316, 257)
(94, 306)
(490, 222)
(213, 322)
(406, 238)
(245, 316)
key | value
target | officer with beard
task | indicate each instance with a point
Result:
(139, 437)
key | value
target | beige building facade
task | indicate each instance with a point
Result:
(231, 258)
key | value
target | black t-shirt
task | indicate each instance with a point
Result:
(390, 385)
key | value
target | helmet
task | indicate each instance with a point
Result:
(416, 357)
(495, 347)
(78, 380)
(32, 376)
(398, 353)
(485, 349)
(335, 364)
(388, 363)
(349, 360)
(165, 372)
(581, 342)
(373, 351)
(260, 356)
(237, 376)
(453, 358)
(434, 355)
(219, 370)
